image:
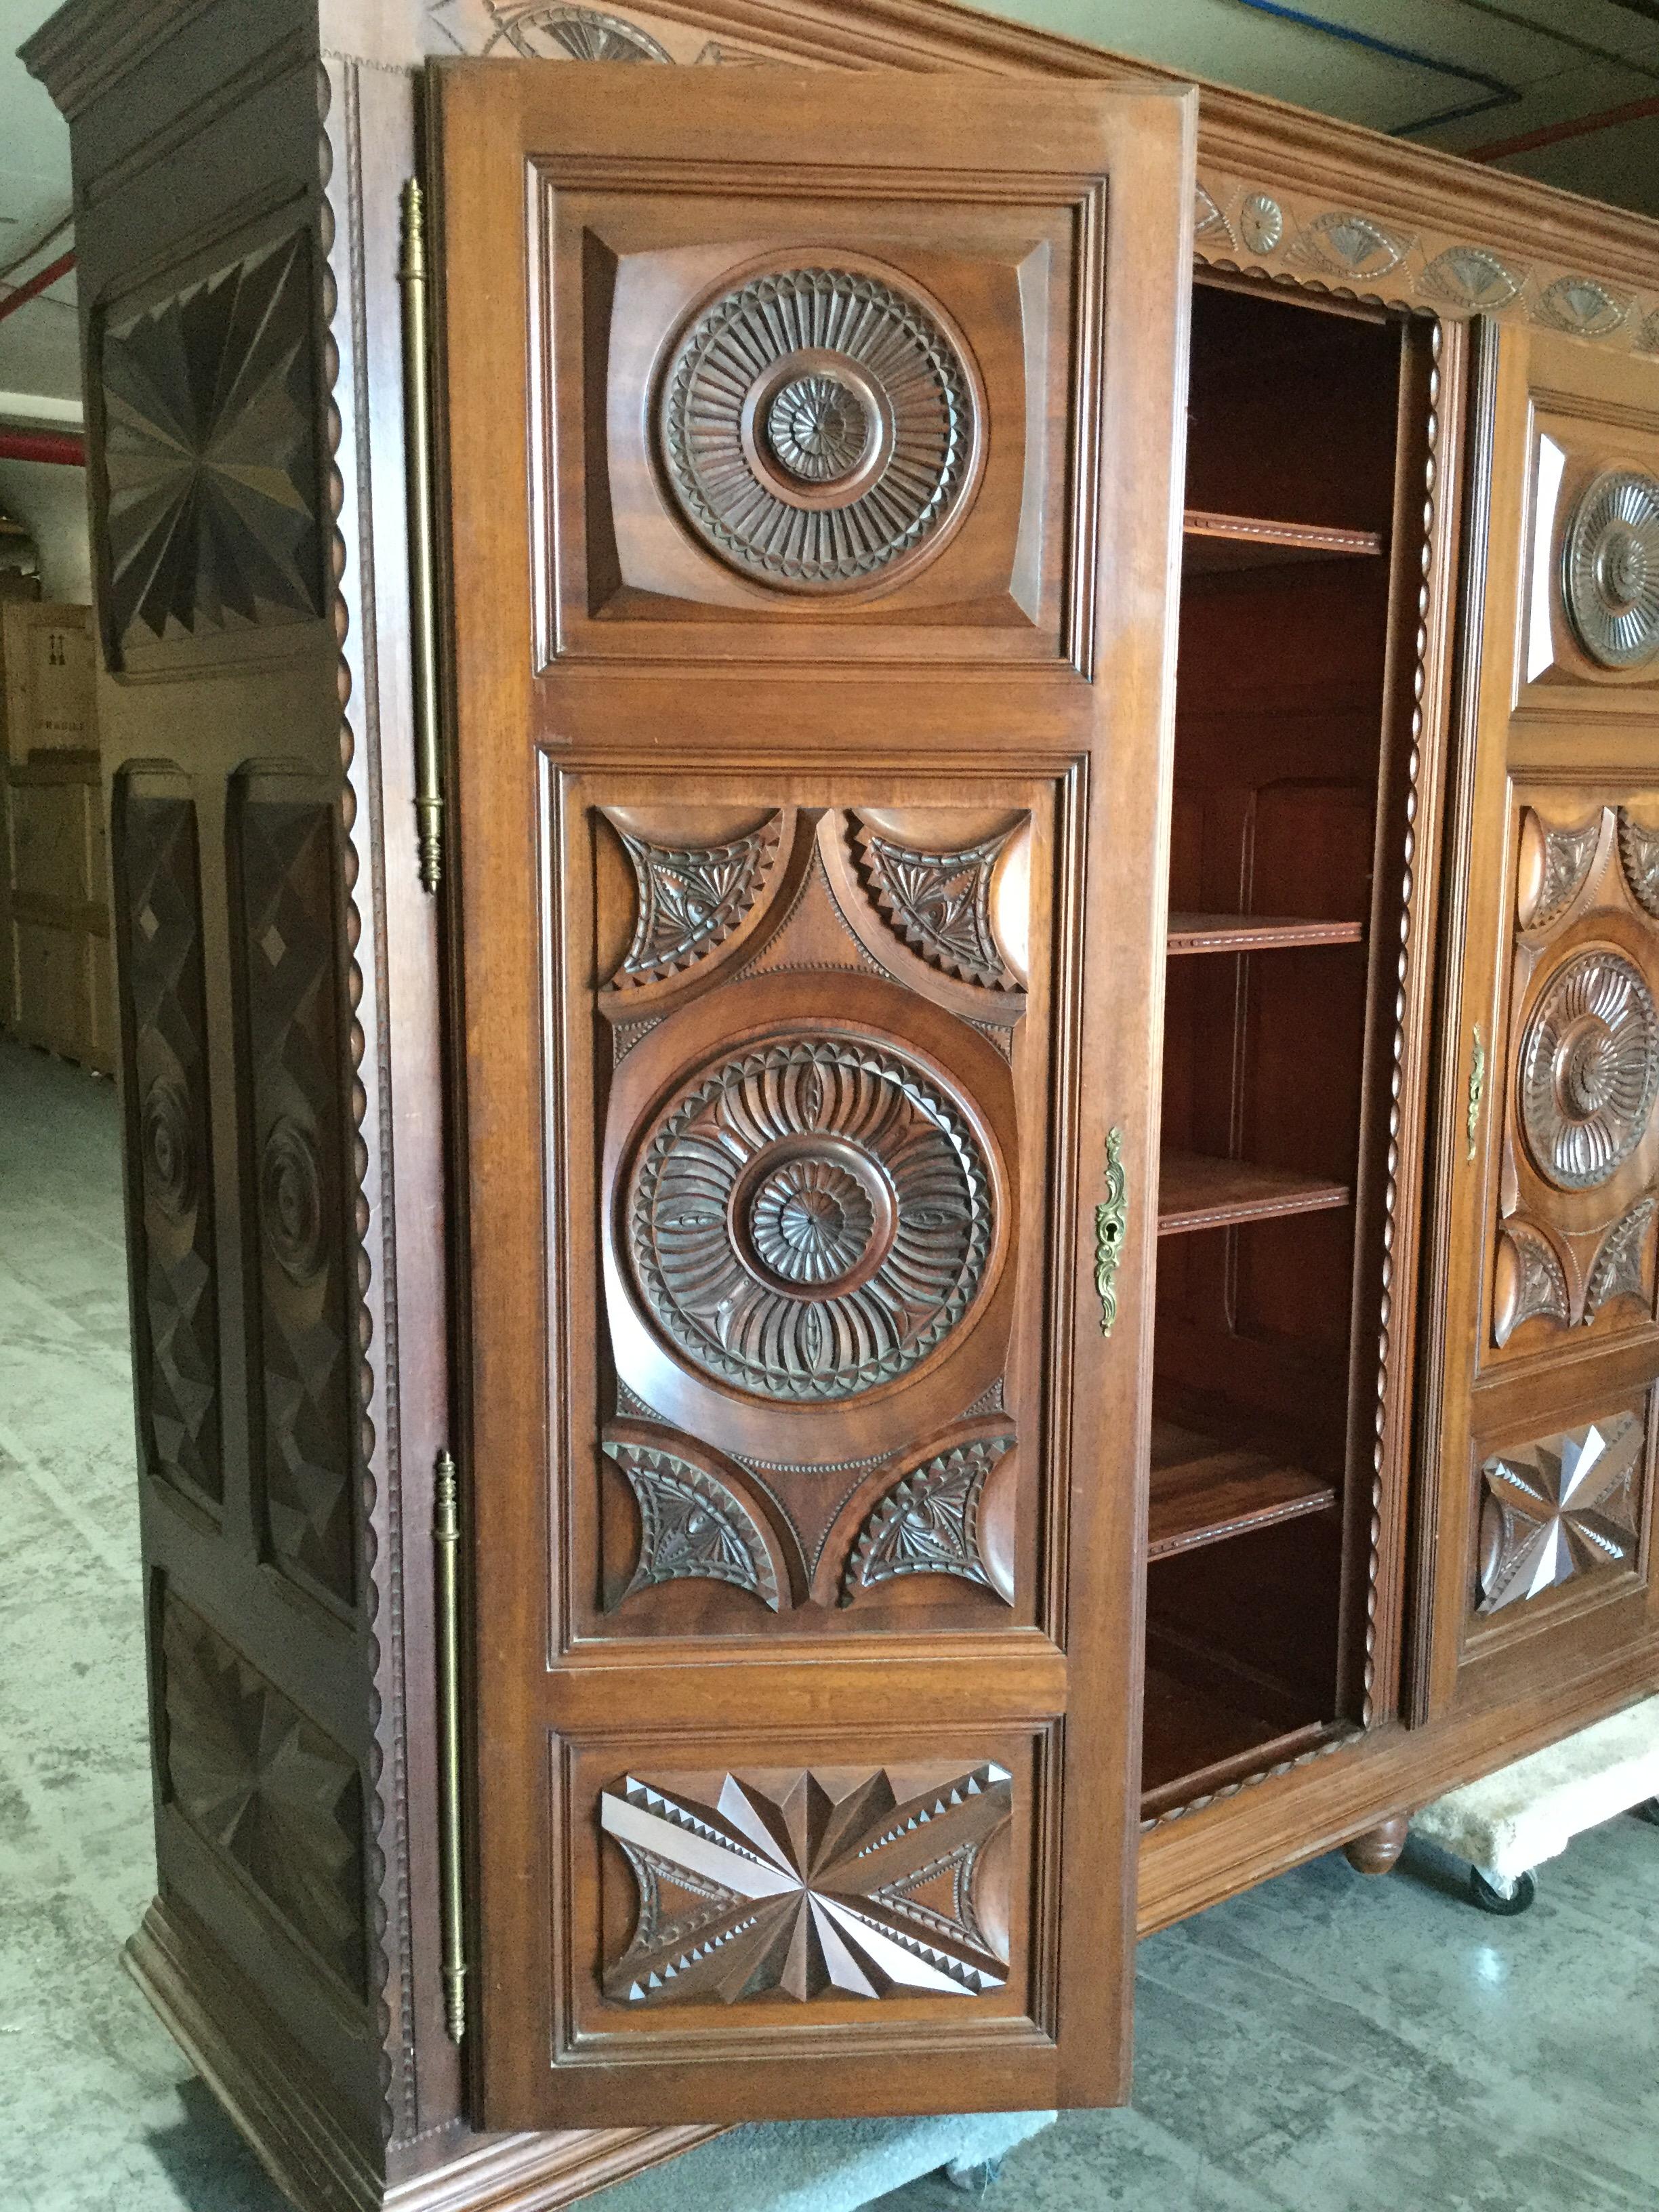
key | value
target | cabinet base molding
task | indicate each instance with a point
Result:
(1244, 1839)
(268, 2089)
(1377, 1851)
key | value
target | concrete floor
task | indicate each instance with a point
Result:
(1323, 2045)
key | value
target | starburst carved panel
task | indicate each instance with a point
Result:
(265, 1788)
(210, 455)
(175, 1254)
(294, 1116)
(1560, 1510)
(790, 1885)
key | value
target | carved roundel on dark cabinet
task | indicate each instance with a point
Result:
(287, 878)
(1610, 568)
(164, 1018)
(817, 427)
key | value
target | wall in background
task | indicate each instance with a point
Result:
(52, 503)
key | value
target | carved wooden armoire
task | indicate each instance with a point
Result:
(886, 872)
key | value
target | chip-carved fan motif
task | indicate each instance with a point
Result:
(1558, 1509)
(928, 1522)
(692, 1528)
(815, 426)
(174, 1243)
(784, 1889)
(940, 902)
(1618, 1270)
(578, 35)
(210, 453)
(1347, 244)
(690, 898)
(1581, 306)
(261, 1783)
(1589, 1068)
(810, 1219)
(1470, 276)
(1638, 854)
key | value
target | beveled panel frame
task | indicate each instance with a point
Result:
(598, 1902)
(621, 271)
(1584, 420)
(809, 943)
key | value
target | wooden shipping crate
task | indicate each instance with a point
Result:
(56, 987)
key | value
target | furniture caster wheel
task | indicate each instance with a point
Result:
(1505, 1903)
(1648, 1812)
(974, 2180)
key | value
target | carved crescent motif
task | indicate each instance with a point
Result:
(940, 902)
(928, 1521)
(690, 898)
(691, 1526)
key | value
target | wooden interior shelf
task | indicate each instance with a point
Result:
(1196, 1191)
(1205, 1490)
(1255, 933)
(1214, 543)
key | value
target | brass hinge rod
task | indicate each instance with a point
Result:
(447, 1544)
(422, 553)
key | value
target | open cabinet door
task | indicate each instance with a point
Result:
(1540, 1432)
(812, 459)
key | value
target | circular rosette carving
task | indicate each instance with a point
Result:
(291, 1200)
(812, 1219)
(167, 1148)
(817, 426)
(1589, 1069)
(1610, 569)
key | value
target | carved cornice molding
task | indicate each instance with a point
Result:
(89, 46)
(1313, 165)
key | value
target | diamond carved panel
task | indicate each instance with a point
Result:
(265, 1788)
(295, 1115)
(209, 460)
(1558, 1510)
(164, 1022)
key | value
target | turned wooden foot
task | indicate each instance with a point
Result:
(1378, 1851)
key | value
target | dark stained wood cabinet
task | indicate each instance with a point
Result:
(890, 1103)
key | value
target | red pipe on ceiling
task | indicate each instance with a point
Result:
(47, 277)
(62, 447)
(1554, 134)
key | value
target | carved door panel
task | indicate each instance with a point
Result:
(1540, 1453)
(809, 767)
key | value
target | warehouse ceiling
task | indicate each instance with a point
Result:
(1564, 90)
